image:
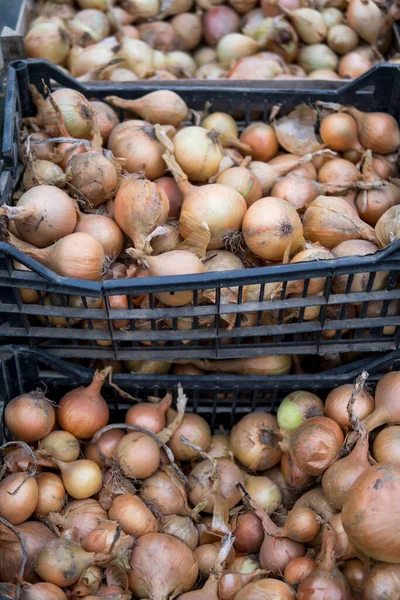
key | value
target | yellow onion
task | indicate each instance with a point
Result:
(47, 40)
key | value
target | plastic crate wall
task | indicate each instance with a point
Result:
(200, 331)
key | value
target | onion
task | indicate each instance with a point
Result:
(124, 141)
(92, 176)
(123, 75)
(220, 207)
(151, 561)
(254, 441)
(266, 588)
(260, 365)
(162, 106)
(316, 500)
(170, 187)
(298, 569)
(81, 478)
(382, 581)
(227, 129)
(188, 30)
(231, 583)
(205, 55)
(42, 591)
(142, 9)
(233, 46)
(370, 512)
(29, 417)
(297, 407)
(332, 16)
(309, 25)
(338, 478)
(317, 56)
(132, 515)
(248, 531)
(330, 220)
(338, 170)
(62, 562)
(195, 429)
(264, 492)
(88, 26)
(166, 492)
(386, 410)
(377, 131)
(149, 415)
(337, 401)
(354, 572)
(43, 215)
(271, 227)
(342, 39)
(41, 172)
(353, 65)
(47, 40)
(60, 445)
(67, 150)
(181, 528)
(314, 445)
(218, 22)
(138, 56)
(38, 148)
(105, 118)
(386, 447)
(102, 539)
(210, 71)
(258, 66)
(372, 204)
(52, 495)
(198, 152)
(83, 411)
(18, 497)
(104, 230)
(387, 229)
(201, 485)
(343, 548)
(360, 281)
(176, 262)
(322, 74)
(365, 18)
(339, 132)
(180, 64)
(244, 181)
(297, 190)
(378, 308)
(278, 36)
(103, 449)
(301, 525)
(82, 516)
(294, 477)
(76, 111)
(167, 241)
(36, 535)
(158, 35)
(326, 580)
(139, 208)
(207, 556)
(262, 141)
(138, 455)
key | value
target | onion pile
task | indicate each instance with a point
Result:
(168, 198)
(126, 40)
(145, 506)
(166, 501)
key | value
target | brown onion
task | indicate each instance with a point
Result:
(195, 429)
(248, 531)
(18, 497)
(82, 516)
(254, 441)
(151, 561)
(188, 30)
(61, 445)
(244, 181)
(29, 417)
(339, 132)
(47, 40)
(62, 562)
(149, 415)
(386, 447)
(297, 407)
(81, 478)
(182, 528)
(36, 535)
(201, 487)
(104, 448)
(298, 569)
(371, 510)
(262, 140)
(314, 445)
(138, 455)
(378, 132)
(167, 492)
(382, 581)
(297, 190)
(353, 65)
(338, 399)
(360, 281)
(42, 591)
(354, 571)
(218, 21)
(343, 549)
(83, 411)
(104, 230)
(76, 111)
(266, 588)
(133, 515)
(93, 176)
(105, 118)
(51, 494)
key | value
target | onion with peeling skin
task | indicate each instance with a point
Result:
(254, 441)
(134, 517)
(76, 111)
(201, 487)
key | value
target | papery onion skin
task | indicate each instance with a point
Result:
(254, 441)
(382, 581)
(183, 528)
(29, 417)
(103, 449)
(93, 176)
(200, 487)
(248, 531)
(105, 118)
(166, 492)
(196, 430)
(343, 549)
(134, 517)
(298, 569)
(149, 415)
(124, 141)
(81, 478)
(371, 513)
(62, 562)
(76, 111)
(198, 151)
(83, 516)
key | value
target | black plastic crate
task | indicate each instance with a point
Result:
(200, 331)
(221, 399)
